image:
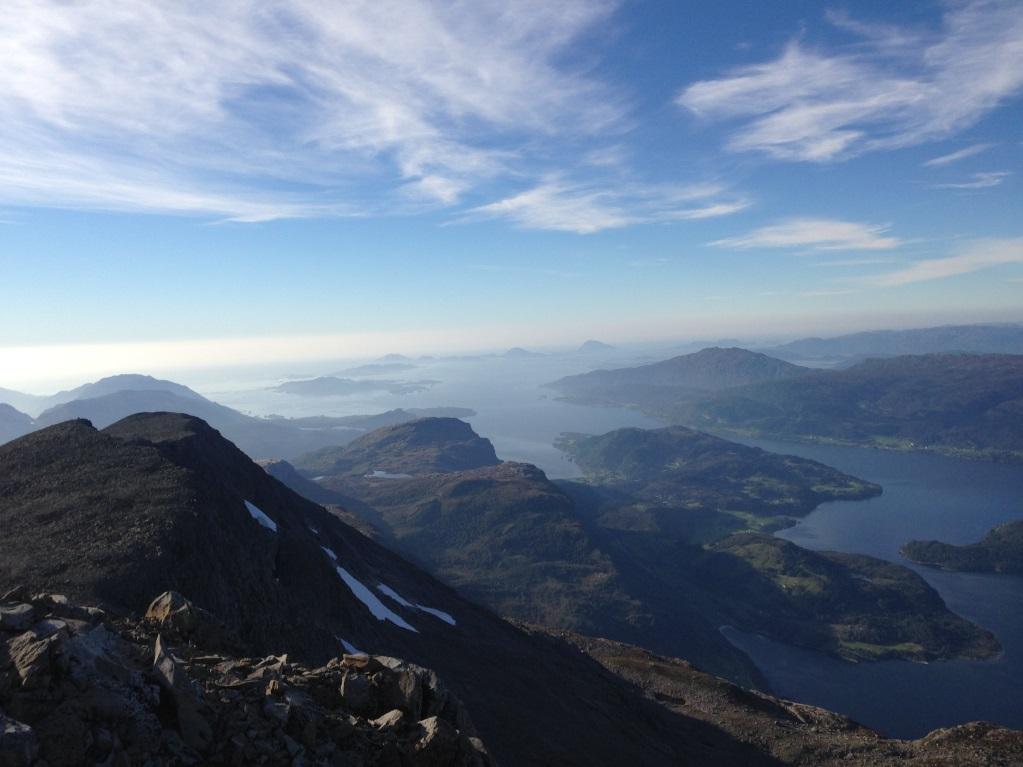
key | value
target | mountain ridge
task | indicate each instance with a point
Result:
(162, 502)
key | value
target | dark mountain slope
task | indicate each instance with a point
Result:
(1000, 551)
(161, 502)
(688, 375)
(960, 403)
(507, 537)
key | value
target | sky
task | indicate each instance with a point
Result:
(212, 183)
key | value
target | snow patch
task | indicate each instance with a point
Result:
(257, 514)
(350, 648)
(380, 611)
(330, 553)
(446, 617)
(378, 474)
(388, 591)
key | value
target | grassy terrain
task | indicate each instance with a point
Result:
(852, 606)
(694, 470)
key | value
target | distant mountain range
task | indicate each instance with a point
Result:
(977, 339)
(682, 377)
(117, 397)
(964, 404)
(13, 423)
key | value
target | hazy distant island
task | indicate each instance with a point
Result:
(375, 368)
(332, 386)
(520, 353)
(1000, 551)
(592, 345)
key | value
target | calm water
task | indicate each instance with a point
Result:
(520, 417)
(924, 497)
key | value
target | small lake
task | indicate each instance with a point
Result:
(926, 497)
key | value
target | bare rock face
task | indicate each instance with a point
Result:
(18, 743)
(84, 692)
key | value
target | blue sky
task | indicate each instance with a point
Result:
(216, 182)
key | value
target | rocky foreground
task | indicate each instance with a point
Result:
(80, 687)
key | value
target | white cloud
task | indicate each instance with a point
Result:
(825, 293)
(979, 255)
(586, 208)
(894, 89)
(819, 234)
(218, 107)
(978, 181)
(962, 154)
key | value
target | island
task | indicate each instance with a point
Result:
(1000, 551)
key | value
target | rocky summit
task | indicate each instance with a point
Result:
(79, 687)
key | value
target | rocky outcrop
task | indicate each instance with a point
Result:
(78, 688)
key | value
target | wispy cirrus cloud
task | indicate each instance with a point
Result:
(893, 89)
(815, 234)
(983, 180)
(981, 254)
(254, 111)
(961, 154)
(586, 207)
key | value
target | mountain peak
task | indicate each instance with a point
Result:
(423, 446)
